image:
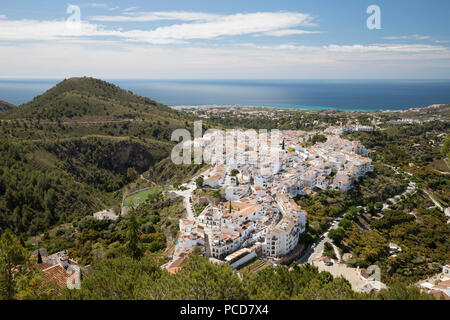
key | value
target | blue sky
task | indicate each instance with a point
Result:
(225, 39)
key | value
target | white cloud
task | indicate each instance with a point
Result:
(96, 50)
(209, 27)
(289, 32)
(410, 37)
(101, 6)
(155, 16)
(2, 16)
(386, 48)
(130, 9)
(230, 25)
(111, 60)
(49, 30)
(358, 50)
(98, 5)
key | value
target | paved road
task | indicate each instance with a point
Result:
(315, 250)
(187, 195)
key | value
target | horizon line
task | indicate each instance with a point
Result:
(171, 79)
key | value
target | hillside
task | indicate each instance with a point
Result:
(5, 105)
(89, 98)
(72, 150)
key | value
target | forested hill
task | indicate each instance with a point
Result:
(5, 105)
(72, 150)
(77, 98)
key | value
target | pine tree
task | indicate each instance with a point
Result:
(39, 258)
(12, 255)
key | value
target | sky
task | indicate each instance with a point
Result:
(209, 39)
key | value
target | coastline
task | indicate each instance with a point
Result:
(342, 95)
(294, 108)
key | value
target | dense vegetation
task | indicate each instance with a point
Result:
(125, 278)
(104, 163)
(71, 151)
(33, 198)
(19, 278)
(88, 98)
(89, 240)
(5, 105)
(323, 207)
(423, 238)
(416, 149)
(139, 276)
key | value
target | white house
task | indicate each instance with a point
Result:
(446, 270)
(322, 182)
(236, 193)
(215, 180)
(282, 238)
(106, 215)
(240, 257)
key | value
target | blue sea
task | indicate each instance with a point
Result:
(301, 94)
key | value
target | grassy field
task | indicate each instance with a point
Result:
(140, 197)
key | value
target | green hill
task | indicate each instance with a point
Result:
(72, 150)
(80, 107)
(89, 98)
(5, 105)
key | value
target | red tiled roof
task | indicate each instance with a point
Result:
(55, 273)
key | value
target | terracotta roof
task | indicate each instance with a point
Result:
(55, 273)
(438, 295)
(443, 285)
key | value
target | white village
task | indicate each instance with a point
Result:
(260, 217)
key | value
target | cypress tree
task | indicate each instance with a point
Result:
(134, 245)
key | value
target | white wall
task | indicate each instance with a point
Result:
(244, 259)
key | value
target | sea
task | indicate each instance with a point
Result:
(293, 94)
